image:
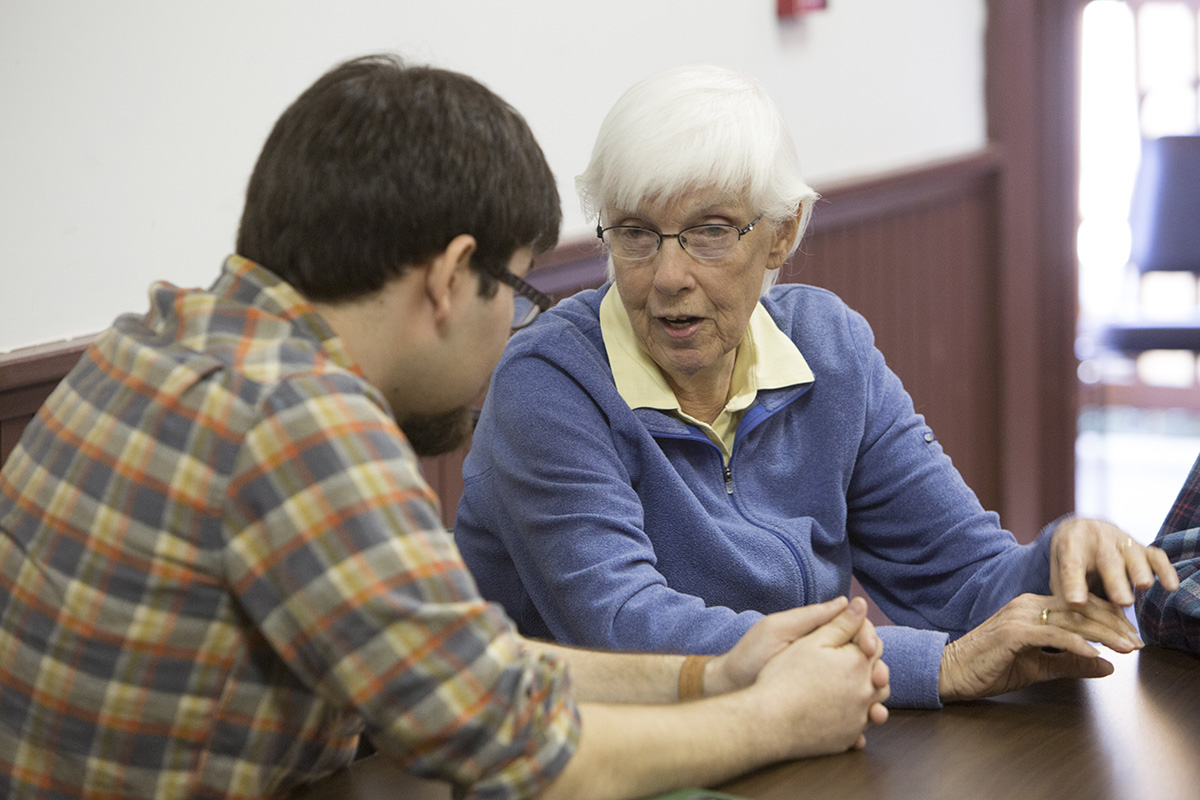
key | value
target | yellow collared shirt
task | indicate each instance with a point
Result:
(766, 359)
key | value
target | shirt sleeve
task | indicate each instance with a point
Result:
(925, 548)
(1172, 619)
(337, 555)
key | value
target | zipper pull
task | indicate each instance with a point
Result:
(728, 480)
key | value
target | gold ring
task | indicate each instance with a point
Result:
(1125, 545)
(1045, 616)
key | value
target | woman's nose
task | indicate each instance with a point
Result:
(672, 268)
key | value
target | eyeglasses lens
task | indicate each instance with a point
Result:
(631, 243)
(702, 241)
(710, 241)
(524, 311)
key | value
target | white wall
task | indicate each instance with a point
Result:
(128, 128)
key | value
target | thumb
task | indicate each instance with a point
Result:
(800, 621)
(843, 627)
(1070, 665)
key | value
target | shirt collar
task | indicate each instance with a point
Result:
(766, 359)
(255, 285)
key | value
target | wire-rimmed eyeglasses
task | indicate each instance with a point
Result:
(711, 240)
(528, 302)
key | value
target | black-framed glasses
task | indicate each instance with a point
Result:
(528, 302)
(711, 240)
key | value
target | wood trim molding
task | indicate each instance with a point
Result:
(852, 202)
(30, 366)
(27, 377)
(576, 263)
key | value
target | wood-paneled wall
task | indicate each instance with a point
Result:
(27, 377)
(916, 253)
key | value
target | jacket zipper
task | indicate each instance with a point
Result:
(727, 474)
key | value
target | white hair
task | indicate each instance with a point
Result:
(696, 127)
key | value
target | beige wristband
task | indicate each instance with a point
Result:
(691, 677)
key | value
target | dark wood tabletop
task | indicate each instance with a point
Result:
(1132, 735)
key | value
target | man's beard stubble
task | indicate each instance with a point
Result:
(435, 434)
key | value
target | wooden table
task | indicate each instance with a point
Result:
(1132, 735)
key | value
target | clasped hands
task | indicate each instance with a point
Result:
(816, 673)
(1094, 569)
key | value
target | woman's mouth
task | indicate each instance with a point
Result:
(679, 323)
(680, 328)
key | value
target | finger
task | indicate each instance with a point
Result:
(880, 675)
(860, 742)
(1061, 639)
(842, 629)
(878, 713)
(1071, 569)
(803, 620)
(882, 694)
(1112, 566)
(1137, 563)
(1110, 616)
(1108, 630)
(868, 640)
(1069, 665)
(1160, 562)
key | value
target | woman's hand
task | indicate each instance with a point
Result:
(1006, 652)
(1093, 554)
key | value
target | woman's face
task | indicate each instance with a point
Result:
(688, 313)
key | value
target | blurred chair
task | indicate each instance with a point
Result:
(1165, 226)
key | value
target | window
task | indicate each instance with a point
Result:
(1139, 78)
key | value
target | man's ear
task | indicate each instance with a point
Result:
(445, 271)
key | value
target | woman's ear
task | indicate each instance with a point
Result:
(445, 273)
(785, 237)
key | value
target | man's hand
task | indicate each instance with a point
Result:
(810, 689)
(739, 667)
(1093, 554)
(821, 691)
(1006, 652)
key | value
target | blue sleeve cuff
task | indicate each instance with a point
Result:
(914, 659)
(1037, 576)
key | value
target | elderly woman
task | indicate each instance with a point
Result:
(662, 461)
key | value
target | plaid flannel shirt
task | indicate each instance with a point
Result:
(1172, 619)
(218, 561)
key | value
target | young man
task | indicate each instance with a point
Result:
(219, 563)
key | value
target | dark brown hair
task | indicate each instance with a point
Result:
(378, 165)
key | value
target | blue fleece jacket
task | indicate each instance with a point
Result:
(599, 525)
